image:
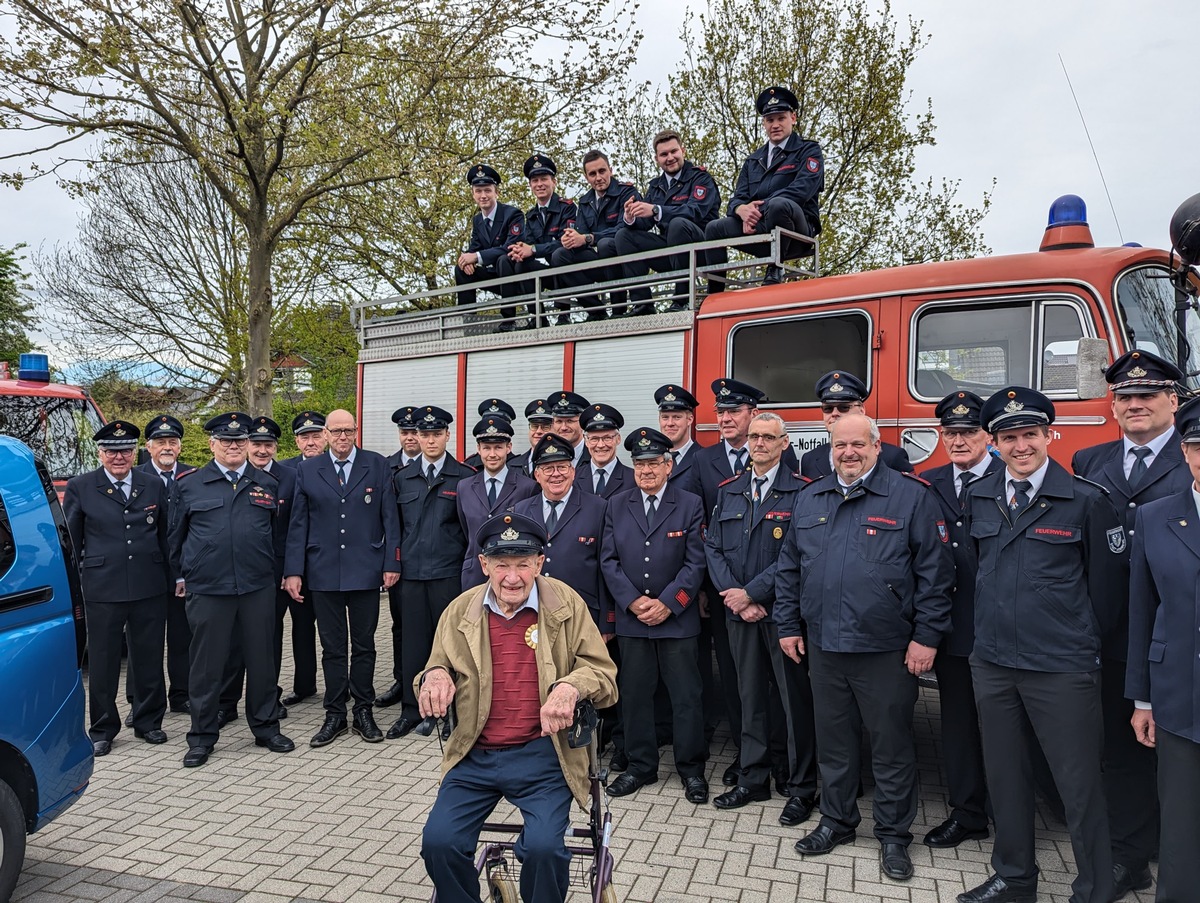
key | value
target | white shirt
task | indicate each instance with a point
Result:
(500, 476)
(437, 465)
(607, 470)
(766, 487)
(126, 481)
(488, 218)
(489, 599)
(682, 452)
(657, 500)
(730, 452)
(1035, 480)
(862, 479)
(579, 450)
(976, 472)
(560, 507)
(348, 464)
(1156, 445)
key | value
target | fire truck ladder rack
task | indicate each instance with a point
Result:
(431, 321)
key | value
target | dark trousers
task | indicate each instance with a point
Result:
(215, 621)
(347, 618)
(142, 621)
(644, 663)
(1179, 797)
(757, 656)
(424, 602)
(721, 689)
(481, 274)
(1061, 712)
(853, 690)
(304, 640)
(235, 672)
(777, 211)
(1129, 775)
(680, 231)
(179, 656)
(962, 747)
(506, 267)
(396, 608)
(529, 777)
(605, 247)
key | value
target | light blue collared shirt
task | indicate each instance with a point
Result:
(489, 600)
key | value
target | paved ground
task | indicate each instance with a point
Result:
(343, 823)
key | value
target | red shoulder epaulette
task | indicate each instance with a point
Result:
(181, 475)
(913, 476)
(730, 480)
(800, 476)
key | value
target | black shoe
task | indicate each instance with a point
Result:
(154, 736)
(334, 727)
(295, 698)
(280, 711)
(627, 783)
(639, 310)
(391, 696)
(619, 761)
(741, 796)
(796, 811)
(101, 747)
(695, 790)
(731, 775)
(403, 727)
(774, 276)
(447, 729)
(893, 859)
(780, 777)
(129, 720)
(677, 306)
(278, 743)
(822, 840)
(196, 756)
(224, 716)
(951, 833)
(506, 326)
(1126, 879)
(997, 890)
(365, 726)
(183, 708)
(594, 316)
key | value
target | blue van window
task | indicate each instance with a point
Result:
(8, 548)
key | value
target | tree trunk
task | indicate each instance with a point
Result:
(258, 351)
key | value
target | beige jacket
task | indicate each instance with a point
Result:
(569, 650)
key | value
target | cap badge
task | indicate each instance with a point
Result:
(493, 409)
(724, 391)
(429, 418)
(598, 418)
(309, 423)
(836, 387)
(670, 396)
(491, 430)
(962, 410)
(118, 432)
(510, 534)
(1013, 406)
(643, 442)
(262, 429)
(1136, 373)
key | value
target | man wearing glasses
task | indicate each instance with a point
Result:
(223, 553)
(603, 475)
(844, 393)
(344, 538)
(117, 517)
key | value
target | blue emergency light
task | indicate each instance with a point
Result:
(1068, 210)
(1067, 226)
(34, 368)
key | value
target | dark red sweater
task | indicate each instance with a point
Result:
(515, 716)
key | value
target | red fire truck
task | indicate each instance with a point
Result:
(1049, 319)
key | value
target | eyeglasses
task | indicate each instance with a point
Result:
(843, 407)
(117, 452)
(554, 468)
(342, 432)
(764, 437)
(950, 434)
(649, 465)
(232, 443)
(722, 410)
(601, 439)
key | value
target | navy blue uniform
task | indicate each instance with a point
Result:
(491, 243)
(222, 543)
(1164, 670)
(600, 218)
(1050, 584)
(127, 587)
(1129, 772)
(620, 479)
(865, 575)
(815, 463)
(473, 510)
(543, 230)
(742, 551)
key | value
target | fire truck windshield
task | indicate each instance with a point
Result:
(59, 430)
(1147, 306)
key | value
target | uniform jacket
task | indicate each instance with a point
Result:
(869, 573)
(573, 550)
(664, 563)
(473, 510)
(569, 650)
(472, 461)
(432, 542)
(1166, 475)
(742, 546)
(222, 539)
(285, 493)
(122, 546)
(546, 234)
(815, 462)
(604, 218)
(694, 196)
(712, 466)
(962, 596)
(683, 474)
(343, 538)
(521, 462)
(1164, 614)
(508, 224)
(180, 467)
(798, 173)
(1049, 585)
(620, 480)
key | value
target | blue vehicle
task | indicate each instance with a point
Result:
(45, 754)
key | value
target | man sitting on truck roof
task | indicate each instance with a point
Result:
(494, 229)
(778, 186)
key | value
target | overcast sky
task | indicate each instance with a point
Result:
(1002, 106)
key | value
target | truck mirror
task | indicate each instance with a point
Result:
(1091, 360)
(919, 443)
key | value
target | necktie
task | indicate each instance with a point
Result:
(341, 469)
(430, 475)
(963, 479)
(233, 477)
(552, 518)
(651, 507)
(167, 476)
(848, 491)
(771, 156)
(492, 481)
(121, 489)
(1138, 472)
(601, 482)
(1020, 499)
(675, 456)
(758, 485)
(739, 460)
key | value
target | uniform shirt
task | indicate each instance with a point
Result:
(690, 194)
(797, 172)
(560, 506)
(348, 465)
(602, 215)
(763, 488)
(732, 454)
(1155, 445)
(437, 466)
(976, 472)
(607, 470)
(678, 454)
(544, 225)
(492, 236)
(1035, 480)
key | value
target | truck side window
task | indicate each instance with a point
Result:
(1061, 332)
(8, 547)
(784, 358)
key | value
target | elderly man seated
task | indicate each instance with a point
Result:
(514, 656)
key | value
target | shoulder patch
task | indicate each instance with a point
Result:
(1090, 483)
(184, 473)
(729, 480)
(799, 476)
(913, 476)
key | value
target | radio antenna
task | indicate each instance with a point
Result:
(1095, 156)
